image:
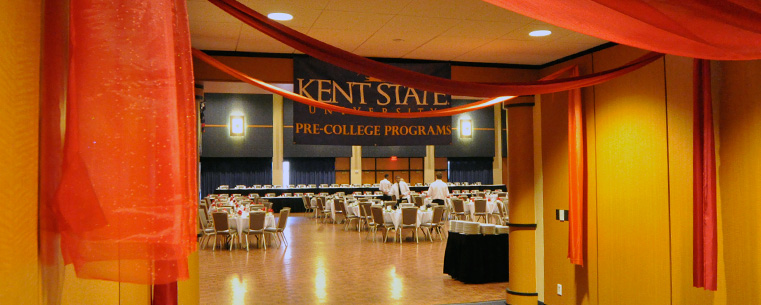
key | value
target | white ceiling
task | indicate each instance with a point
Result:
(448, 30)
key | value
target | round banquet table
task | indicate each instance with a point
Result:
(241, 222)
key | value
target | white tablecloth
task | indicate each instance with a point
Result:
(491, 207)
(352, 210)
(395, 217)
(241, 222)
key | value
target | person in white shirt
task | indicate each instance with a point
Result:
(439, 191)
(401, 190)
(386, 187)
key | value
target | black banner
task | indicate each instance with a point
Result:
(324, 82)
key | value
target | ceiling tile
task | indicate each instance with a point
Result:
(347, 40)
(364, 6)
(336, 20)
(475, 29)
(251, 40)
(445, 48)
(205, 11)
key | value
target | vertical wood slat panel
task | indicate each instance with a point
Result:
(632, 183)
(19, 98)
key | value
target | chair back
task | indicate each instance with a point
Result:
(220, 221)
(201, 223)
(203, 218)
(438, 213)
(409, 216)
(306, 202)
(458, 205)
(389, 203)
(418, 201)
(321, 202)
(406, 205)
(377, 213)
(364, 209)
(256, 207)
(480, 206)
(501, 209)
(268, 205)
(281, 221)
(256, 220)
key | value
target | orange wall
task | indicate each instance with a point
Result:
(639, 209)
(19, 99)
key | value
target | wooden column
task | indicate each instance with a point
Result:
(429, 164)
(497, 163)
(277, 139)
(356, 165)
(521, 290)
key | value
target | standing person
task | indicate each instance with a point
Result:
(401, 189)
(386, 187)
(439, 191)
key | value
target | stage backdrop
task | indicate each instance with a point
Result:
(327, 83)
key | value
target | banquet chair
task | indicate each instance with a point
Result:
(406, 205)
(435, 224)
(391, 203)
(279, 231)
(256, 227)
(377, 213)
(480, 210)
(364, 212)
(349, 218)
(419, 201)
(338, 204)
(325, 211)
(459, 209)
(206, 229)
(307, 205)
(255, 207)
(267, 205)
(222, 227)
(409, 221)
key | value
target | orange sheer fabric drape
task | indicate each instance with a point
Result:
(710, 29)
(122, 195)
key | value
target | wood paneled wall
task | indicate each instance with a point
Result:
(639, 201)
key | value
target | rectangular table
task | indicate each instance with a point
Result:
(477, 259)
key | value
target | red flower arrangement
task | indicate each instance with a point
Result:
(240, 213)
(271, 211)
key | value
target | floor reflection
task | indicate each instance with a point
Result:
(239, 290)
(325, 264)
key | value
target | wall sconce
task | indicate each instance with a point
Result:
(466, 128)
(237, 125)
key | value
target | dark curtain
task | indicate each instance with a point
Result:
(471, 170)
(234, 171)
(312, 170)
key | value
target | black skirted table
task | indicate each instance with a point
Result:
(477, 259)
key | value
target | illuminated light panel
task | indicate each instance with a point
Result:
(540, 33)
(237, 125)
(280, 16)
(466, 128)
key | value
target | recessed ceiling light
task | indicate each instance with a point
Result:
(539, 33)
(280, 16)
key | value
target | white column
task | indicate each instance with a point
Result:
(277, 139)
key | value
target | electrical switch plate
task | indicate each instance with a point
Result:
(560, 289)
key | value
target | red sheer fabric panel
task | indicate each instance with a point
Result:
(704, 231)
(727, 30)
(125, 197)
(576, 176)
(412, 79)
